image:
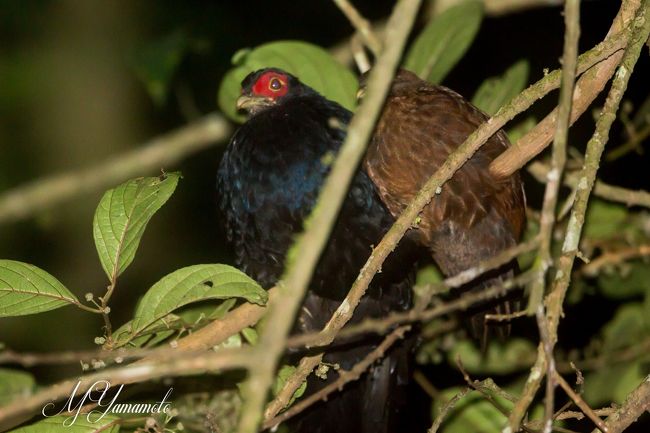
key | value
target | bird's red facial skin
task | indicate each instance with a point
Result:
(272, 85)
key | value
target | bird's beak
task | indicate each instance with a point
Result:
(361, 93)
(249, 103)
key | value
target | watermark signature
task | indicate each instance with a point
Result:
(98, 397)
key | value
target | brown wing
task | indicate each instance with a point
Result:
(474, 216)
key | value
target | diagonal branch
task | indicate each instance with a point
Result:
(303, 256)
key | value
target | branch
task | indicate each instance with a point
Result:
(587, 88)
(165, 150)
(558, 157)
(22, 409)
(636, 403)
(361, 25)
(344, 378)
(593, 154)
(304, 255)
(601, 189)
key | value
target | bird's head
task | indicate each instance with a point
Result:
(267, 88)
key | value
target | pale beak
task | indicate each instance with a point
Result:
(361, 93)
(245, 102)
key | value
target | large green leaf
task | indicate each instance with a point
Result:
(193, 284)
(122, 216)
(614, 383)
(444, 41)
(311, 64)
(495, 92)
(14, 384)
(108, 424)
(26, 289)
(604, 219)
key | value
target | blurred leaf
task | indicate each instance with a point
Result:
(444, 41)
(633, 282)
(604, 219)
(156, 62)
(500, 358)
(285, 373)
(192, 284)
(498, 91)
(310, 63)
(428, 275)
(612, 384)
(473, 413)
(26, 289)
(80, 425)
(642, 115)
(14, 384)
(123, 214)
(627, 327)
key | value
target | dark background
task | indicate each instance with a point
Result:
(71, 96)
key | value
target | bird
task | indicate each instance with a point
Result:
(268, 182)
(474, 216)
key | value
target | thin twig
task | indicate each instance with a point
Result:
(444, 410)
(601, 189)
(558, 157)
(584, 407)
(344, 378)
(361, 24)
(636, 403)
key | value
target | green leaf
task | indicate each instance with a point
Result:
(108, 424)
(310, 63)
(500, 358)
(14, 384)
(286, 371)
(613, 384)
(123, 214)
(629, 280)
(495, 92)
(26, 289)
(520, 128)
(627, 327)
(604, 219)
(444, 41)
(193, 284)
(473, 413)
(156, 62)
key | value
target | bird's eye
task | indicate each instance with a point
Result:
(275, 84)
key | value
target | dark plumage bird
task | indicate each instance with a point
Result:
(268, 182)
(475, 216)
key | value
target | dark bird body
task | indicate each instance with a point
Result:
(268, 182)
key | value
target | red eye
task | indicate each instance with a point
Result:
(275, 84)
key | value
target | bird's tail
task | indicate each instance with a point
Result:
(494, 317)
(373, 404)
